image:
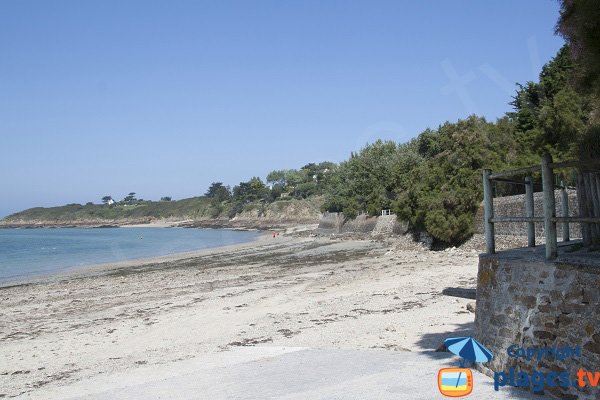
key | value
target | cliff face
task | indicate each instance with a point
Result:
(288, 211)
(261, 216)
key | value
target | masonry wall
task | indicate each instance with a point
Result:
(514, 206)
(389, 224)
(331, 223)
(525, 301)
(384, 225)
(361, 224)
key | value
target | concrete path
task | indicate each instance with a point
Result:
(260, 373)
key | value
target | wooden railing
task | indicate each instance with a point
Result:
(588, 194)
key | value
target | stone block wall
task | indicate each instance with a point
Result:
(331, 223)
(361, 224)
(384, 225)
(523, 300)
(388, 225)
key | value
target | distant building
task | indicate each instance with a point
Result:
(110, 202)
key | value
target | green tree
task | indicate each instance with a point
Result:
(309, 180)
(218, 192)
(364, 183)
(278, 178)
(441, 193)
(550, 115)
(252, 190)
(130, 198)
(579, 24)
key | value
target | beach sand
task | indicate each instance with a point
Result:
(311, 292)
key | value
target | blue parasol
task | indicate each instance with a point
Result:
(468, 348)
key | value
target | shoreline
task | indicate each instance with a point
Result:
(82, 271)
(91, 269)
(292, 291)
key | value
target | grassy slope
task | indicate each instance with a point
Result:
(192, 208)
(195, 207)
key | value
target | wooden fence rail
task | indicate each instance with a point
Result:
(588, 195)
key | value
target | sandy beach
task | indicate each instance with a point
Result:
(292, 290)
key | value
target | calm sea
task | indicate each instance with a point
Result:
(29, 253)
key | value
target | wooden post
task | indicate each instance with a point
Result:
(549, 207)
(596, 176)
(594, 206)
(564, 206)
(589, 195)
(529, 211)
(488, 212)
(582, 198)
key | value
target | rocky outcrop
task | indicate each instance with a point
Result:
(283, 212)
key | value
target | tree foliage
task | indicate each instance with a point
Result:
(444, 190)
(579, 24)
(218, 192)
(364, 183)
(550, 115)
(310, 180)
(130, 198)
(252, 190)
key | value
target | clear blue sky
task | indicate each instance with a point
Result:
(163, 97)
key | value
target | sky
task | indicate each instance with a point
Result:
(162, 98)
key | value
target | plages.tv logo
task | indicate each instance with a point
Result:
(458, 382)
(538, 380)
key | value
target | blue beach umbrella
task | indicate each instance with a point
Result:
(468, 348)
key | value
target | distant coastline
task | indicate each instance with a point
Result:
(186, 213)
(243, 224)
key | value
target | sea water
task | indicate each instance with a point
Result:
(29, 253)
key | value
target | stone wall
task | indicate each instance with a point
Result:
(361, 224)
(388, 225)
(385, 225)
(514, 206)
(331, 223)
(523, 300)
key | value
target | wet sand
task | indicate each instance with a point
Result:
(286, 291)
